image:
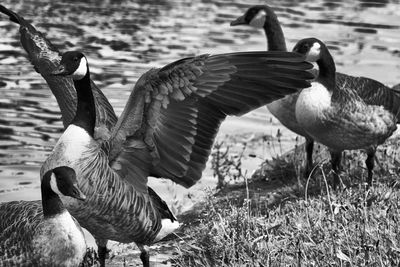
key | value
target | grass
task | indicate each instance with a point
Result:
(91, 258)
(273, 219)
(278, 218)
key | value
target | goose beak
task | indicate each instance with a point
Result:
(76, 193)
(239, 21)
(60, 71)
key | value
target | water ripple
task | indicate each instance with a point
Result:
(123, 39)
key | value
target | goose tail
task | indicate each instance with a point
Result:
(161, 206)
(167, 227)
(169, 223)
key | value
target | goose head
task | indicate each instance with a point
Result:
(62, 181)
(73, 64)
(316, 51)
(255, 16)
(312, 48)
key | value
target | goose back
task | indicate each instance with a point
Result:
(372, 92)
(17, 215)
(25, 237)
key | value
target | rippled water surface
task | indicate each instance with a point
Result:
(122, 39)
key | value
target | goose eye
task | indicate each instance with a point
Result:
(76, 59)
(306, 47)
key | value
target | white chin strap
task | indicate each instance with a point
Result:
(81, 70)
(314, 53)
(53, 185)
(259, 20)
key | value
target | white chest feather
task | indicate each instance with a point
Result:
(61, 241)
(68, 227)
(311, 105)
(73, 143)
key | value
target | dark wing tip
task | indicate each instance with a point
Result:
(14, 17)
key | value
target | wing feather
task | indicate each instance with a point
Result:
(372, 92)
(45, 58)
(176, 111)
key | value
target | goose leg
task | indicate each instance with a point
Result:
(370, 165)
(144, 255)
(309, 160)
(336, 158)
(102, 251)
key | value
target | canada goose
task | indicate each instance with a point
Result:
(338, 115)
(34, 233)
(45, 57)
(166, 130)
(263, 16)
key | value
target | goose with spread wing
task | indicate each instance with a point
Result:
(43, 233)
(166, 130)
(263, 16)
(45, 57)
(339, 114)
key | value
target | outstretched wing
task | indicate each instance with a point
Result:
(45, 58)
(173, 114)
(372, 92)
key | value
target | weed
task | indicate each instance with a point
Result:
(227, 167)
(272, 221)
(91, 258)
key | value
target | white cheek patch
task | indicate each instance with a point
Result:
(81, 70)
(314, 53)
(259, 20)
(53, 185)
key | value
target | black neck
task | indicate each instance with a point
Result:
(85, 116)
(327, 70)
(51, 202)
(274, 33)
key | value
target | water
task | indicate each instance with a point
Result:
(122, 39)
